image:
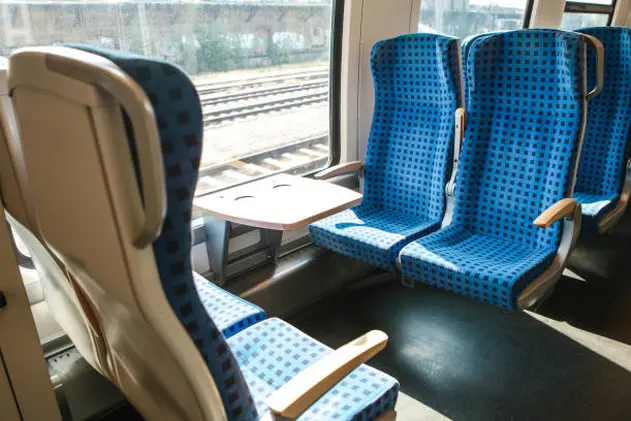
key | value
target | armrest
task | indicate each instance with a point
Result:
(346, 168)
(560, 209)
(298, 394)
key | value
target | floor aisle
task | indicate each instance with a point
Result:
(470, 361)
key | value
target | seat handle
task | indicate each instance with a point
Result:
(600, 65)
(134, 101)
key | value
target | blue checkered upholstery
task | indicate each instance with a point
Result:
(204, 309)
(408, 160)
(230, 313)
(594, 208)
(466, 47)
(272, 352)
(524, 124)
(606, 146)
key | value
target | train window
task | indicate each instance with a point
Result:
(464, 18)
(573, 21)
(262, 70)
(581, 14)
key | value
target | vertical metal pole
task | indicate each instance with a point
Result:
(144, 29)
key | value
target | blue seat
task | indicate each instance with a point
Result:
(232, 314)
(521, 142)
(603, 184)
(259, 359)
(363, 395)
(408, 161)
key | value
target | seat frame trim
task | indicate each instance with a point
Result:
(611, 219)
(541, 287)
(167, 335)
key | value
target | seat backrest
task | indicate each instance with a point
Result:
(417, 91)
(96, 177)
(606, 146)
(472, 40)
(466, 47)
(525, 117)
(68, 307)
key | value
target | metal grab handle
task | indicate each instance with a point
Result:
(100, 71)
(600, 65)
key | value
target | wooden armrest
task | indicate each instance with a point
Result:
(348, 167)
(560, 209)
(298, 394)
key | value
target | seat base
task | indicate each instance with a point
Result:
(595, 209)
(373, 235)
(272, 352)
(484, 267)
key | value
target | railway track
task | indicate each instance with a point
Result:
(235, 99)
(221, 115)
(261, 92)
(298, 157)
(312, 73)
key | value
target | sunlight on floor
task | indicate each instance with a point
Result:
(409, 409)
(570, 274)
(617, 352)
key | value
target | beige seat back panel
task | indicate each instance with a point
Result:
(59, 292)
(88, 210)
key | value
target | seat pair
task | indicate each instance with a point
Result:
(603, 186)
(105, 159)
(525, 112)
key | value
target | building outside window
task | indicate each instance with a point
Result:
(261, 67)
(462, 18)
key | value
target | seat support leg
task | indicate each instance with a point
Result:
(405, 282)
(271, 239)
(217, 241)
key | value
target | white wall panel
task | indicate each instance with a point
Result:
(366, 22)
(547, 13)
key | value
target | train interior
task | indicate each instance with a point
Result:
(315, 210)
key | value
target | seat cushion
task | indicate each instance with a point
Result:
(487, 268)
(230, 313)
(272, 352)
(594, 207)
(370, 234)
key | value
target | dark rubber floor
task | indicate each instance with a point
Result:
(471, 361)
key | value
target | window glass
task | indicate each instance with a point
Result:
(573, 21)
(261, 68)
(462, 18)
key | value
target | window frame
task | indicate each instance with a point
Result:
(528, 14)
(335, 84)
(591, 8)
